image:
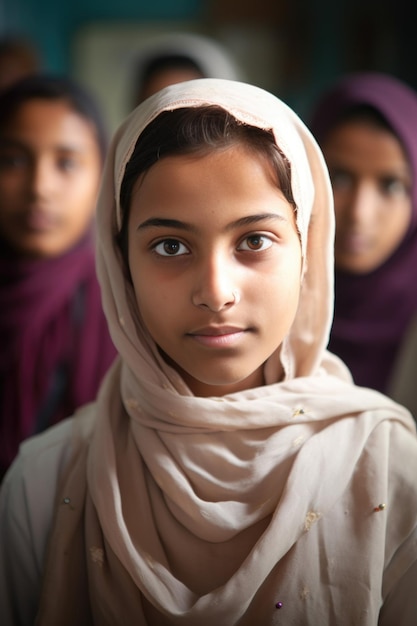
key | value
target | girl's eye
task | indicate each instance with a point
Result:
(255, 243)
(393, 186)
(12, 161)
(341, 180)
(67, 164)
(170, 247)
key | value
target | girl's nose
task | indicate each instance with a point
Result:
(215, 287)
(363, 204)
(43, 179)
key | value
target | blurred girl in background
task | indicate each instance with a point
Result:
(173, 58)
(366, 125)
(55, 345)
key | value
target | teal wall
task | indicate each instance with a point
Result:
(51, 23)
(323, 38)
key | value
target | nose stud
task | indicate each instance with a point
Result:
(215, 304)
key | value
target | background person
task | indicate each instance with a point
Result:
(365, 125)
(175, 57)
(55, 345)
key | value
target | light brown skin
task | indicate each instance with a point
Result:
(371, 182)
(50, 167)
(227, 265)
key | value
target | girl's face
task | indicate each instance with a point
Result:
(50, 168)
(215, 260)
(168, 76)
(371, 183)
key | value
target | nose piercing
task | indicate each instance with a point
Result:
(236, 297)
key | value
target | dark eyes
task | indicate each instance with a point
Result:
(341, 180)
(67, 164)
(22, 161)
(12, 161)
(387, 186)
(170, 247)
(393, 186)
(255, 243)
(174, 247)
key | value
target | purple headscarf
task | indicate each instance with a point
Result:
(373, 311)
(55, 344)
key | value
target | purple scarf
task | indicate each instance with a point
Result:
(55, 345)
(373, 311)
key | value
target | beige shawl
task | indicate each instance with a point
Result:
(186, 510)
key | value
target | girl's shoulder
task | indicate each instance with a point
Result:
(27, 507)
(53, 447)
(28, 491)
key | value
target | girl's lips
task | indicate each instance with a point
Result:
(353, 244)
(39, 221)
(218, 339)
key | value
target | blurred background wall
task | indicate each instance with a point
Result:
(291, 47)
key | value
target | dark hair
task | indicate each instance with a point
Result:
(21, 50)
(363, 113)
(196, 130)
(54, 88)
(164, 62)
(160, 63)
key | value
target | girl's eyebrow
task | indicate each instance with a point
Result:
(248, 220)
(169, 223)
(6, 142)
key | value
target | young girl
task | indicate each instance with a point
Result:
(170, 58)
(55, 344)
(229, 472)
(365, 125)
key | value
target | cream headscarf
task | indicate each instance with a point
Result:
(312, 193)
(182, 507)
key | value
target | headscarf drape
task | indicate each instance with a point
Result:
(373, 311)
(183, 509)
